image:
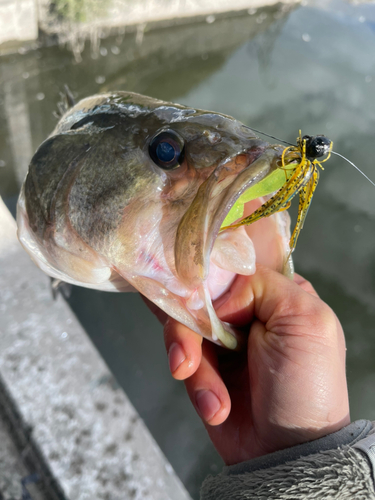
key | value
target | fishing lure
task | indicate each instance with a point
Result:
(301, 166)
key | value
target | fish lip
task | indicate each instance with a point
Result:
(199, 227)
(240, 184)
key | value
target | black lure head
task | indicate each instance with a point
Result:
(316, 146)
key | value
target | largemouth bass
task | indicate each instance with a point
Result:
(129, 193)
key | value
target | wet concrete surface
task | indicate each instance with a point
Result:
(17, 481)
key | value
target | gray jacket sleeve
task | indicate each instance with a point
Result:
(337, 466)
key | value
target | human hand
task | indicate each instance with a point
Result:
(287, 387)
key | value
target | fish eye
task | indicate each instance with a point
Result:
(316, 146)
(167, 149)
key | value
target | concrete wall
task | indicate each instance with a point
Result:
(127, 12)
(18, 20)
(21, 19)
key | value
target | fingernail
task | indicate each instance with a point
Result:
(176, 356)
(208, 404)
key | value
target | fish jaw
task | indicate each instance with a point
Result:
(198, 231)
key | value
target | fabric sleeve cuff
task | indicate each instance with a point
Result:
(348, 435)
(329, 467)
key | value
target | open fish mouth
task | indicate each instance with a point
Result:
(208, 259)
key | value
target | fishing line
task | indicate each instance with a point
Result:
(353, 165)
(333, 152)
(268, 135)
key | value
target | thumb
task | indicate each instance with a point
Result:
(263, 295)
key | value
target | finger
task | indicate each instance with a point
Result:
(184, 348)
(266, 294)
(304, 284)
(237, 305)
(207, 390)
(286, 309)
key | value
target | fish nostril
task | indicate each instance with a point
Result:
(212, 137)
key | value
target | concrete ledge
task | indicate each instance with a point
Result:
(42, 22)
(130, 12)
(23, 472)
(18, 20)
(80, 422)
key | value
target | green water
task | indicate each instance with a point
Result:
(312, 68)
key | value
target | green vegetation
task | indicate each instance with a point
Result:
(79, 10)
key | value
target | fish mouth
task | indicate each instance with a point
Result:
(209, 260)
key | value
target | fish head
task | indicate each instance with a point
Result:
(130, 192)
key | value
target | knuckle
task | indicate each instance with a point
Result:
(310, 316)
(323, 321)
